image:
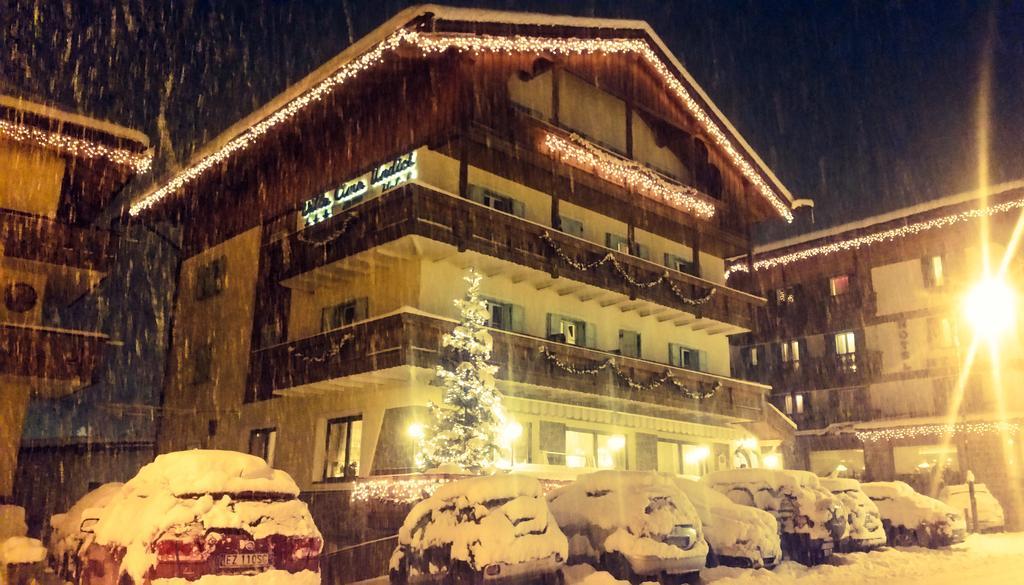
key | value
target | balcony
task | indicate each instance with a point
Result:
(409, 339)
(41, 239)
(464, 225)
(824, 407)
(52, 361)
(822, 372)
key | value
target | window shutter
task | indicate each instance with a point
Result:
(552, 324)
(590, 331)
(702, 361)
(518, 208)
(673, 355)
(516, 318)
(572, 226)
(362, 308)
(476, 193)
(611, 241)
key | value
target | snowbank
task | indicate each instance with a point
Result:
(484, 520)
(21, 549)
(66, 535)
(584, 574)
(631, 512)
(733, 530)
(156, 501)
(274, 577)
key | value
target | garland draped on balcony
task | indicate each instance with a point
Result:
(665, 378)
(324, 356)
(333, 235)
(610, 258)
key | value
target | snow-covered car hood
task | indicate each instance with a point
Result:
(484, 520)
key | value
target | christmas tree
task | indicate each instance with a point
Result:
(466, 426)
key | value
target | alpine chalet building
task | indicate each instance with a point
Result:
(866, 338)
(573, 162)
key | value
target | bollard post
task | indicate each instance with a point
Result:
(974, 501)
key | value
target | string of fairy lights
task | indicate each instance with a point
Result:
(579, 152)
(877, 237)
(963, 428)
(336, 233)
(80, 147)
(610, 258)
(436, 43)
(412, 489)
(666, 377)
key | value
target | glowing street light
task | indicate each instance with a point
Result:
(416, 430)
(772, 461)
(990, 307)
(617, 442)
(512, 431)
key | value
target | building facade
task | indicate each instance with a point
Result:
(866, 345)
(58, 170)
(572, 162)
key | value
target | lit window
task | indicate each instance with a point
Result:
(344, 441)
(263, 443)
(791, 352)
(591, 449)
(754, 355)
(839, 285)
(789, 404)
(799, 403)
(846, 343)
(931, 270)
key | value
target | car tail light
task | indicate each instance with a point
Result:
(179, 550)
(166, 550)
(298, 548)
(492, 570)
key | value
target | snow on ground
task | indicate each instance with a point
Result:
(992, 559)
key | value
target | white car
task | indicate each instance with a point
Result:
(636, 525)
(493, 529)
(811, 519)
(66, 536)
(914, 519)
(990, 512)
(866, 529)
(202, 515)
(738, 536)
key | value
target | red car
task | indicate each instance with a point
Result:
(202, 514)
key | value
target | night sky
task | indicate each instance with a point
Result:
(862, 106)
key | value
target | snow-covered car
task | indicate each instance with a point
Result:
(811, 519)
(912, 519)
(204, 514)
(990, 512)
(21, 561)
(495, 529)
(737, 536)
(636, 525)
(866, 529)
(66, 536)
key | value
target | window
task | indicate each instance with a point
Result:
(593, 449)
(931, 270)
(202, 362)
(846, 462)
(504, 316)
(794, 403)
(839, 285)
(344, 441)
(791, 353)
(846, 349)
(263, 443)
(497, 201)
(685, 357)
(569, 330)
(342, 314)
(682, 458)
(621, 244)
(925, 459)
(754, 355)
(678, 263)
(518, 450)
(629, 343)
(571, 226)
(210, 278)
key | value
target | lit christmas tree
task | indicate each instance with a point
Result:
(466, 426)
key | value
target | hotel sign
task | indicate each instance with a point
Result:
(383, 178)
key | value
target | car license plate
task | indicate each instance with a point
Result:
(246, 560)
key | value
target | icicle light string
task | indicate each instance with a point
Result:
(877, 237)
(334, 235)
(610, 258)
(139, 161)
(937, 430)
(666, 378)
(430, 43)
(628, 173)
(323, 357)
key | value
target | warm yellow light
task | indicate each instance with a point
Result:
(512, 431)
(616, 442)
(697, 455)
(990, 307)
(416, 430)
(841, 468)
(772, 461)
(749, 443)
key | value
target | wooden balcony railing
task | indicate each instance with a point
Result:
(65, 359)
(418, 210)
(821, 372)
(824, 407)
(32, 237)
(415, 340)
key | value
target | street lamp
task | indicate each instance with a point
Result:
(415, 430)
(511, 434)
(990, 307)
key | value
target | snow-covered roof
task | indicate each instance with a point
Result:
(52, 113)
(299, 94)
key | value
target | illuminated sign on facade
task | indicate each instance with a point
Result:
(383, 178)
